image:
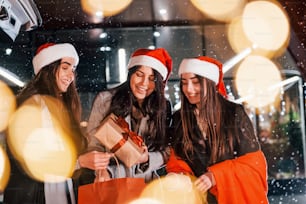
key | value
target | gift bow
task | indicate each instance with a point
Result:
(126, 135)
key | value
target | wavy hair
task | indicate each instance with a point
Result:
(154, 105)
(214, 112)
(44, 83)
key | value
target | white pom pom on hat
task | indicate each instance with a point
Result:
(50, 52)
(157, 59)
(206, 67)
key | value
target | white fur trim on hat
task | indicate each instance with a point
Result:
(200, 67)
(149, 61)
(52, 53)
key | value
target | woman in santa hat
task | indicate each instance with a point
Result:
(141, 101)
(215, 139)
(54, 68)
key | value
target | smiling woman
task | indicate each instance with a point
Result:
(43, 175)
(65, 74)
(104, 45)
(141, 102)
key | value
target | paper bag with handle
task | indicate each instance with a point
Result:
(113, 191)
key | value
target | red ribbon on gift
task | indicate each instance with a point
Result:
(126, 135)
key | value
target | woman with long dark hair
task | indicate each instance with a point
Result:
(54, 68)
(216, 138)
(141, 101)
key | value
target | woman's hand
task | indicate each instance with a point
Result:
(102, 175)
(205, 182)
(145, 156)
(95, 160)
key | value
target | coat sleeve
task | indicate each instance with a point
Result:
(241, 180)
(98, 112)
(177, 165)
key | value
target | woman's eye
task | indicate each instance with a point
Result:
(138, 74)
(184, 83)
(196, 81)
(152, 78)
(64, 67)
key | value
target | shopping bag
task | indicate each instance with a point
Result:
(114, 191)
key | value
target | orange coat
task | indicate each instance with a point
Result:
(238, 181)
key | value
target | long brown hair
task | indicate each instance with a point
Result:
(153, 105)
(213, 112)
(44, 83)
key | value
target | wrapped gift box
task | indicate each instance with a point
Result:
(115, 135)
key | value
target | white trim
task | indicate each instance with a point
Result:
(53, 53)
(149, 61)
(200, 67)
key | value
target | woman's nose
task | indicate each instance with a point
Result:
(189, 87)
(71, 75)
(145, 80)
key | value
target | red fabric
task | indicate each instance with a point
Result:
(127, 133)
(177, 165)
(137, 139)
(221, 88)
(241, 180)
(40, 48)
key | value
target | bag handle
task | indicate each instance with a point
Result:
(101, 173)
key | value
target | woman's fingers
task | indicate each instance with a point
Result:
(203, 183)
(102, 175)
(95, 160)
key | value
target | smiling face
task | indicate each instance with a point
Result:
(191, 87)
(142, 83)
(65, 73)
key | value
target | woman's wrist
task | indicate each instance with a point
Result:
(144, 166)
(78, 162)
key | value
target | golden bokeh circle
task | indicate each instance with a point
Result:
(7, 105)
(5, 169)
(173, 188)
(40, 138)
(266, 25)
(255, 78)
(106, 7)
(220, 10)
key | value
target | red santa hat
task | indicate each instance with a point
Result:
(206, 67)
(50, 52)
(158, 59)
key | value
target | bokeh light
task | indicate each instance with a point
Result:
(7, 105)
(145, 201)
(255, 77)
(239, 41)
(266, 25)
(40, 138)
(104, 8)
(263, 26)
(4, 169)
(173, 188)
(220, 10)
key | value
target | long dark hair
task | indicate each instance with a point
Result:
(153, 105)
(216, 113)
(44, 83)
